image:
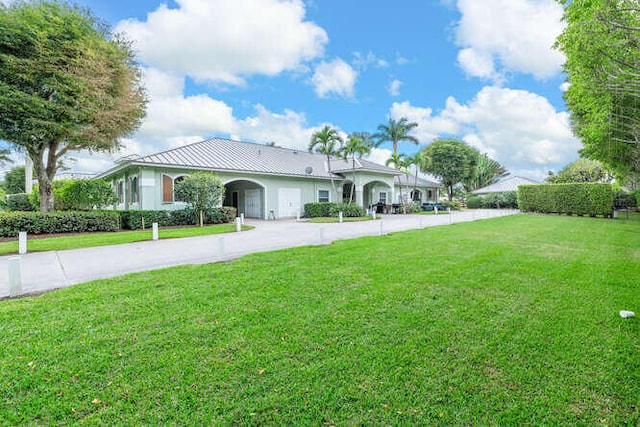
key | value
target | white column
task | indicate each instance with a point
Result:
(28, 174)
(22, 242)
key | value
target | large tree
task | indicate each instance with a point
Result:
(326, 141)
(355, 146)
(66, 84)
(451, 160)
(582, 170)
(601, 42)
(396, 131)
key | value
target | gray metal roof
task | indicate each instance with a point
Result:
(508, 184)
(410, 181)
(221, 154)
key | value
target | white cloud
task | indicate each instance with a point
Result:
(334, 77)
(429, 126)
(499, 36)
(379, 155)
(394, 87)
(565, 86)
(361, 61)
(222, 41)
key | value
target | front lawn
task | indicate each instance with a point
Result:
(86, 240)
(508, 321)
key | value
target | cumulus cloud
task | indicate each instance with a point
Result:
(394, 87)
(498, 36)
(336, 77)
(222, 41)
(379, 155)
(429, 126)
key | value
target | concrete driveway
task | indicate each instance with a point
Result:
(43, 271)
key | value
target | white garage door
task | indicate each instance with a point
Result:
(288, 202)
(252, 206)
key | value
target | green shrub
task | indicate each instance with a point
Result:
(454, 205)
(347, 209)
(57, 222)
(59, 202)
(136, 219)
(19, 202)
(585, 198)
(85, 194)
(318, 209)
(414, 207)
(474, 202)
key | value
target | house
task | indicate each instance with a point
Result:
(261, 181)
(508, 184)
(415, 189)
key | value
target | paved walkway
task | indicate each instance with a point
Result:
(43, 271)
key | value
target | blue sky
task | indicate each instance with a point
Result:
(278, 70)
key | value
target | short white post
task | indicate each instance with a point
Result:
(154, 230)
(435, 210)
(22, 242)
(238, 224)
(321, 236)
(298, 215)
(380, 228)
(340, 217)
(374, 214)
(242, 218)
(221, 246)
(15, 276)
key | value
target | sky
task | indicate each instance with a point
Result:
(483, 71)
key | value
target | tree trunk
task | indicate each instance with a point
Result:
(45, 177)
(353, 182)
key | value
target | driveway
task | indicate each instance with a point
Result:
(44, 271)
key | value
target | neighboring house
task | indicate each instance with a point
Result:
(507, 184)
(261, 181)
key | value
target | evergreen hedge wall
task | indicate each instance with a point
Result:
(58, 222)
(585, 198)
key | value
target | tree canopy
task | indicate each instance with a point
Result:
(14, 180)
(66, 83)
(202, 191)
(582, 170)
(451, 160)
(602, 46)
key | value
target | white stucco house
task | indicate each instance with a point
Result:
(261, 181)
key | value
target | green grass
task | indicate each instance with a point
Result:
(114, 238)
(509, 321)
(328, 219)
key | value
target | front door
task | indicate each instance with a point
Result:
(288, 202)
(252, 208)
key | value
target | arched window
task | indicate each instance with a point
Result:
(175, 181)
(120, 191)
(133, 190)
(167, 189)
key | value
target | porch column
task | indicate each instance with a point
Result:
(359, 196)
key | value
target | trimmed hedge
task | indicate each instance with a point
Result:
(318, 209)
(584, 198)
(133, 220)
(58, 222)
(347, 209)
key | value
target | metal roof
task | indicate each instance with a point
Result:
(508, 184)
(222, 154)
(410, 180)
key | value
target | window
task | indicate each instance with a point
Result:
(383, 197)
(167, 189)
(120, 191)
(416, 195)
(323, 195)
(133, 190)
(175, 181)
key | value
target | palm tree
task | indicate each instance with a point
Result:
(487, 171)
(395, 132)
(326, 141)
(418, 161)
(355, 145)
(399, 162)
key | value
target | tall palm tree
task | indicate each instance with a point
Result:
(399, 162)
(395, 132)
(418, 161)
(486, 172)
(355, 145)
(326, 141)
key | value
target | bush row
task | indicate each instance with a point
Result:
(133, 220)
(507, 199)
(325, 209)
(58, 222)
(585, 198)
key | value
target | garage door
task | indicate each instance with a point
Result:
(288, 202)
(252, 205)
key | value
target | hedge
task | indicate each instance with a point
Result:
(133, 220)
(347, 209)
(584, 198)
(19, 202)
(58, 222)
(318, 209)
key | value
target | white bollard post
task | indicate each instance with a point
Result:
(380, 228)
(22, 242)
(340, 217)
(154, 230)
(15, 276)
(242, 218)
(321, 236)
(298, 216)
(435, 210)
(221, 247)
(238, 224)
(374, 214)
